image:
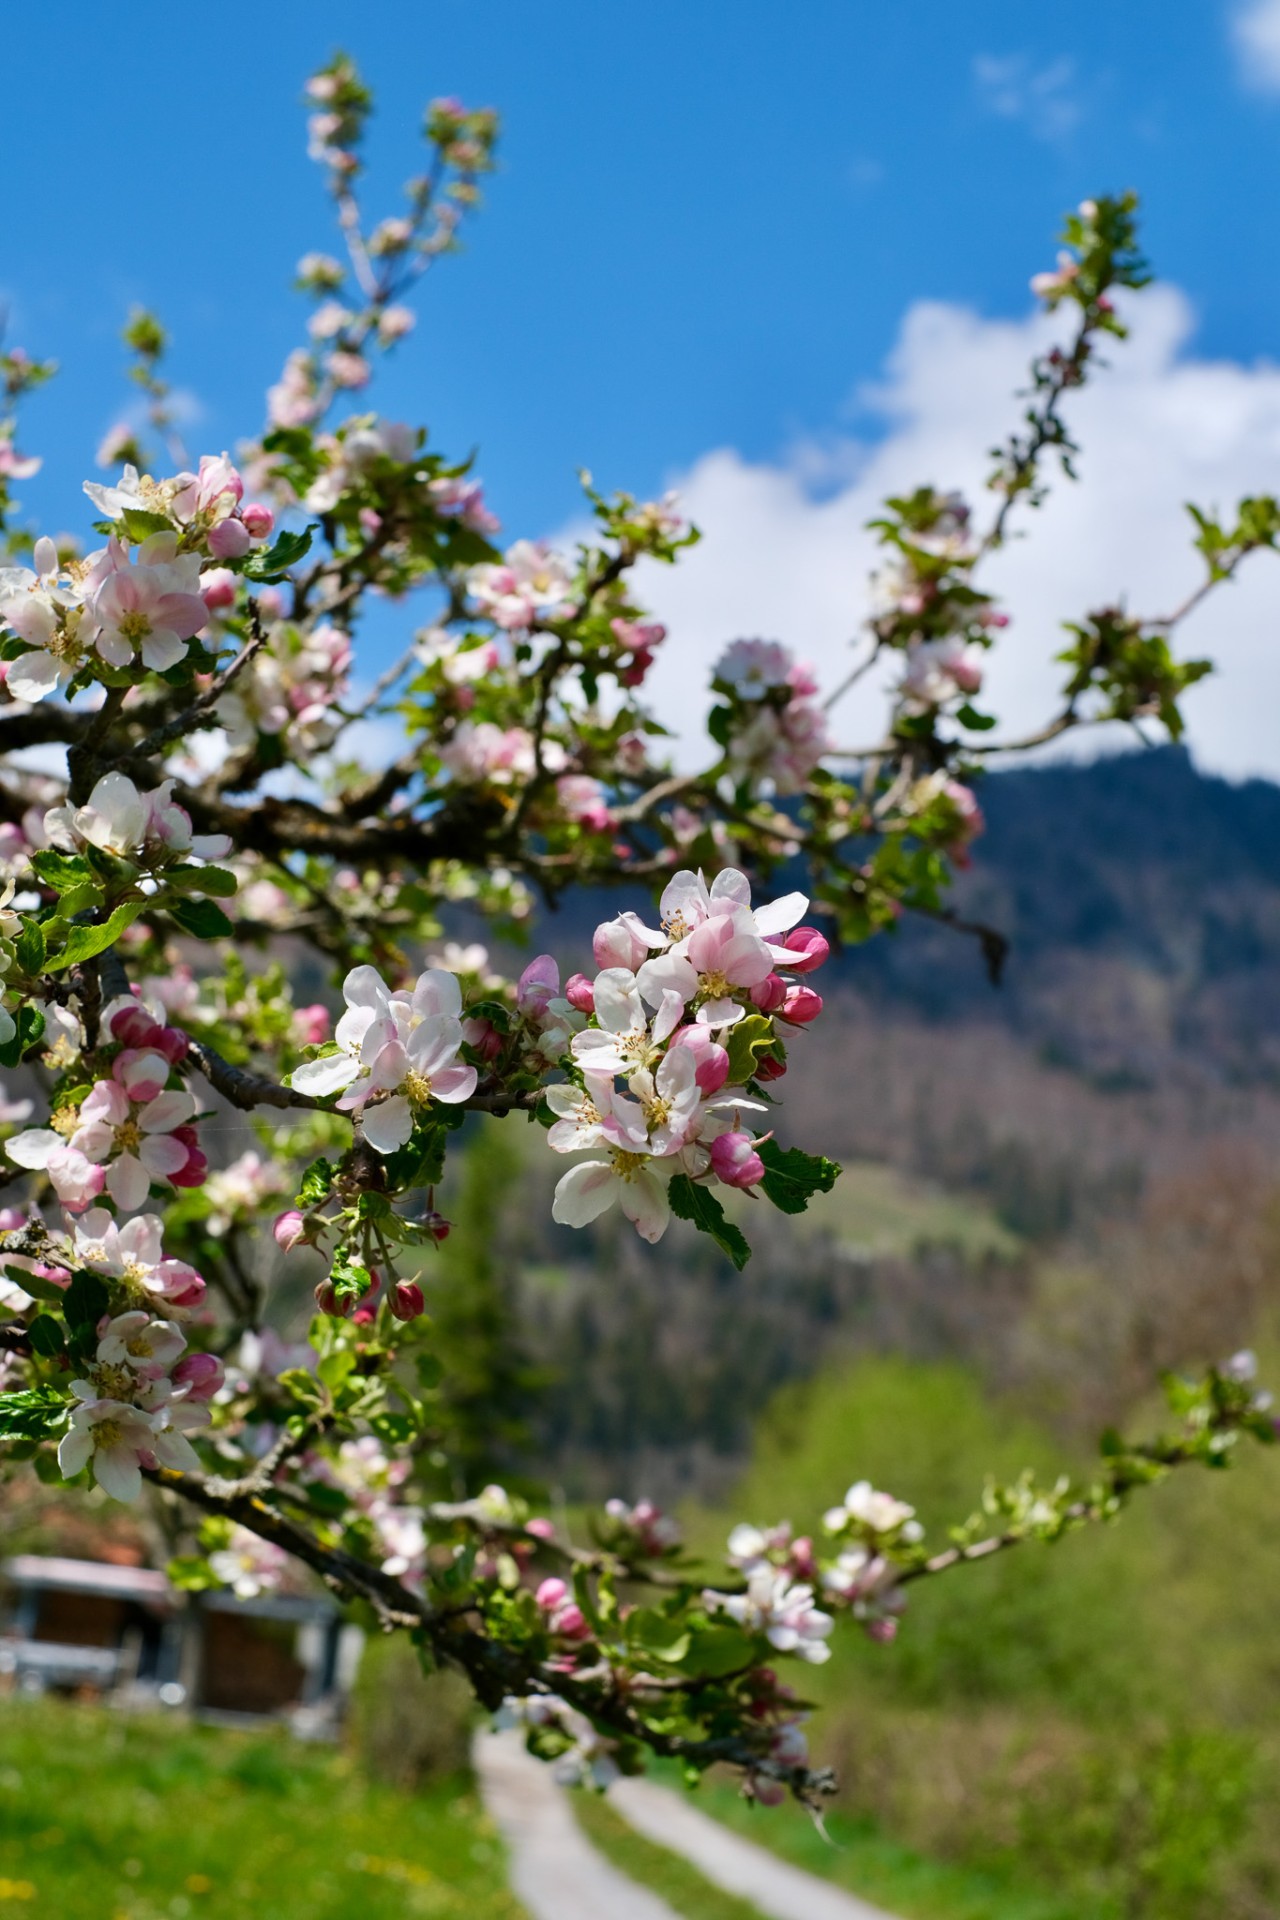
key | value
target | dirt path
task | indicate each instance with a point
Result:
(739, 1866)
(555, 1870)
(558, 1874)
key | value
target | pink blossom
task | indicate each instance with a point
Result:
(770, 994)
(808, 947)
(722, 955)
(152, 608)
(582, 800)
(76, 1179)
(579, 992)
(290, 1230)
(229, 540)
(405, 1300)
(311, 1025)
(483, 1037)
(258, 519)
(349, 370)
(218, 589)
(624, 942)
(532, 582)
(133, 1139)
(537, 986)
(753, 668)
(735, 1162)
(711, 1059)
(802, 1005)
(198, 1376)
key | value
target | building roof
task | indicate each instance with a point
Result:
(89, 1576)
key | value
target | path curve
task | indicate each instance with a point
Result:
(780, 1891)
(555, 1870)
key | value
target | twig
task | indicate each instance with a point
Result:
(200, 712)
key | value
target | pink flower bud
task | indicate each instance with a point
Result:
(484, 1037)
(571, 1622)
(552, 1593)
(769, 1068)
(580, 993)
(311, 1025)
(541, 1529)
(712, 1069)
(201, 1374)
(802, 1006)
(735, 1162)
(290, 1230)
(438, 1227)
(328, 1301)
(810, 948)
(258, 519)
(615, 943)
(406, 1300)
(537, 985)
(229, 540)
(218, 588)
(770, 994)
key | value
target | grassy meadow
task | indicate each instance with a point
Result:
(107, 1816)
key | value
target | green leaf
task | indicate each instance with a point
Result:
(791, 1178)
(420, 1162)
(335, 1367)
(193, 879)
(191, 1573)
(749, 1038)
(718, 1650)
(274, 563)
(84, 942)
(202, 919)
(698, 1204)
(29, 947)
(35, 1284)
(316, 1184)
(85, 1301)
(28, 1029)
(70, 877)
(664, 1639)
(140, 525)
(32, 1414)
(45, 1335)
(976, 722)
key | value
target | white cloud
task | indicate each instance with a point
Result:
(787, 557)
(1044, 98)
(1255, 28)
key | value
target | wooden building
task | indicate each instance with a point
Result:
(85, 1626)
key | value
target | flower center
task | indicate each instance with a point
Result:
(128, 1137)
(418, 1088)
(627, 1165)
(716, 986)
(676, 927)
(65, 1121)
(113, 1383)
(106, 1433)
(134, 626)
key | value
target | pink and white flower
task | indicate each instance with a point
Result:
(632, 1181)
(753, 668)
(134, 1255)
(532, 582)
(152, 609)
(127, 1127)
(780, 1609)
(941, 670)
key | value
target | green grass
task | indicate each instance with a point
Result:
(108, 1817)
(665, 1873)
(874, 1209)
(853, 1854)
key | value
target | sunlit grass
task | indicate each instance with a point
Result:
(111, 1817)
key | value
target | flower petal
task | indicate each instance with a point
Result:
(388, 1125)
(584, 1193)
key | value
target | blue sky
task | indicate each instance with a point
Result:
(708, 224)
(708, 228)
